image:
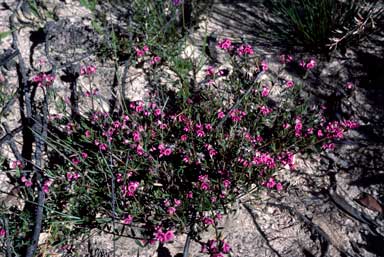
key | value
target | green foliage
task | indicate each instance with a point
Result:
(90, 4)
(311, 23)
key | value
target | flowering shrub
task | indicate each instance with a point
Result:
(171, 165)
(175, 164)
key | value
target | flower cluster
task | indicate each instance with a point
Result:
(43, 79)
(215, 248)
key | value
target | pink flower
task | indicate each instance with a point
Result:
(350, 124)
(16, 164)
(271, 183)
(75, 161)
(2, 232)
(225, 44)
(183, 137)
(46, 186)
(84, 155)
(26, 182)
(177, 202)
(139, 150)
(265, 110)
(136, 136)
(190, 195)
(103, 147)
(286, 58)
(265, 92)
(167, 152)
(264, 66)
(330, 146)
(279, 186)
(157, 112)
(245, 49)
(226, 248)
(128, 220)
(186, 159)
(164, 237)
(226, 183)
(290, 84)
(155, 60)
(87, 134)
(131, 188)
(349, 85)
(176, 2)
(219, 216)
(210, 71)
(160, 236)
(208, 126)
(171, 210)
(298, 127)
(169, 236)
(200, 133)
(221, 115)
(145, 48)
(139, 52)
(311, 64)
(208, 221)
(212, 152)
(286, 126)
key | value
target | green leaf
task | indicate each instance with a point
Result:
(139, 243)
(4, 34)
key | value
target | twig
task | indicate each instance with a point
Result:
(186, 246)
(314, 228)
(261, 232)
(11, 141)
(8, 242)
(22, 71)
(40, 143)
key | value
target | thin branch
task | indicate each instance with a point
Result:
(249, 208)
(40, 143)
(11, 141)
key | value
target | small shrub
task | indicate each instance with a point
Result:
(175, 164)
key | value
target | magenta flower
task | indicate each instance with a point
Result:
(311, 64)
(298, 127)
(290, 84)
(128, 220)
(171, 210)
(177, 202)
(265, 92)
(16, 164)
(264, 65)
(27, 183)
(176, 2)
(226, 248)
(265, 110)
(2, 232)
(349, 85)
(245, 49)
(169, 236)
(225, 44)
(200, 133)
(210, 71)
(131, 188)
(155, 60)
(208, 221)
(221, 115)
